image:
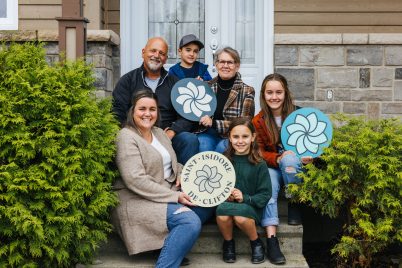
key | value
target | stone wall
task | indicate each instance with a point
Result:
(102, 51)
(359, 74)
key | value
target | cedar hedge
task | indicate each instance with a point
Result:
(56, 150)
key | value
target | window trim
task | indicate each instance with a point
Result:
(11, 21)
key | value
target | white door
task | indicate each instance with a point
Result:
(246, 25)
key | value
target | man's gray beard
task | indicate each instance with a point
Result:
(154, 67)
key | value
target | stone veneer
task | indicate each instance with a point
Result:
(102, 51)
(362, 71)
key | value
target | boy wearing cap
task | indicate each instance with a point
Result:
(189, 67)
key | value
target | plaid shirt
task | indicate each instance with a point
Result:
(240, 103)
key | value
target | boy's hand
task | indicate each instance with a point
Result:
(199, 78)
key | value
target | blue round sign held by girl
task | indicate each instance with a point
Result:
(193, 99)
(306, 131)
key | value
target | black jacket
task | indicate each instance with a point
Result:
(133, 81)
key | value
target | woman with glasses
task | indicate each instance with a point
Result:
(234, 99)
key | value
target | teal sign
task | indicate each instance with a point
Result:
(193, 99)
(306, 131)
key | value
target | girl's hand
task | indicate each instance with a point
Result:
(185, 199)
(306, 159)
(199, 78)
(206, 121)
(230, 198)
(238, 195)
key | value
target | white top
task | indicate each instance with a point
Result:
(167, 160)
(278, 121)
(152, 83)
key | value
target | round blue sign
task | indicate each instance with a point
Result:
(306, 132)
(193, 99)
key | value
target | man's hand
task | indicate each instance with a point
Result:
(170, 133)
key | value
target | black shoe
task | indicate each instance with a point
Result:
(294, 214)
(229, 251)
(257, 251)
(185, 262)
(274, 252)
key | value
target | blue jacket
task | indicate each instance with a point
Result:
(202, 71)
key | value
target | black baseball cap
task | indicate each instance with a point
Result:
(190, 38)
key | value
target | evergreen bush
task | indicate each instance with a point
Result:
(363, 175)
(56, 149)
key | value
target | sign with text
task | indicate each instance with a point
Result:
(208, 178)
(306, 131)
(193, 99)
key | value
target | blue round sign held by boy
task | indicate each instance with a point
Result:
(306, 132)
(193, 98)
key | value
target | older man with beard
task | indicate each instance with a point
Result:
(151, 75)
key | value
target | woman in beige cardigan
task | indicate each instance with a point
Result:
(152, 213)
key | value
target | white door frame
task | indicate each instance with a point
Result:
(131, 45)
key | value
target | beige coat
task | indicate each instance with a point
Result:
(140, 218)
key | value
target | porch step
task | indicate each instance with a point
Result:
(210, 240)
(208, 248)
(147, 260)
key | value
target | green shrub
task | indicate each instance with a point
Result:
(362, 173)
(56, 146)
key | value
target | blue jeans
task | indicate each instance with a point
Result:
(184, 228)
(204, 213)
(289, 166)
(185, 144)
(210, 140)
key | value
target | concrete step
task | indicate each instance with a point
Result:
(147, 260)
(210, 240)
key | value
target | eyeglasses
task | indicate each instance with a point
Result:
(228, 62)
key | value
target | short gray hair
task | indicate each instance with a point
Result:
(231, 51)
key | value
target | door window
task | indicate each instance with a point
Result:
(245, 30)
(172, 19)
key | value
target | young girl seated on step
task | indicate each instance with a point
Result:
(251, 193)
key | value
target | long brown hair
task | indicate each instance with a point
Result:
(287, 107)
(142, 93)
(254, 154)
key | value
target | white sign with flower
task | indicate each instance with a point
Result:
(193, 99)
(208, 178)
(306, 131)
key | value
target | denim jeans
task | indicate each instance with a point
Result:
(289, 166)
(204, 213)
(186, 145)
(210, 140)
(184, 228)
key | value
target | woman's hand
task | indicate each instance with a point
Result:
(178, 181)
(206, 121)
(237, 195)
(185, 199)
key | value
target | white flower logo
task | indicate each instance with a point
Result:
(194, 99)
(208, 179)
(307, 133)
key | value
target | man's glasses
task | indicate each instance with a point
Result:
(228, 62)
